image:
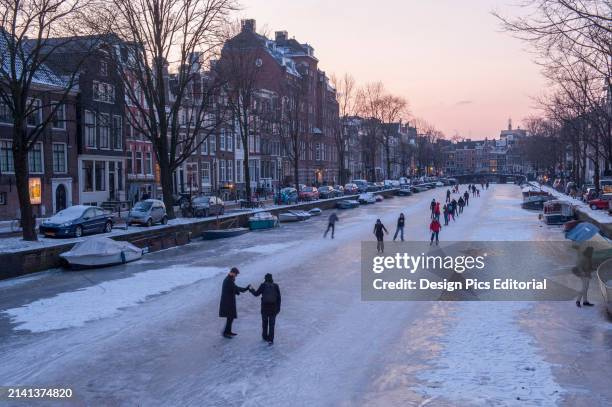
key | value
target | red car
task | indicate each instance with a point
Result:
(603, 202)
(309, 194)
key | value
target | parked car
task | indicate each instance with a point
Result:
(362, 185)
(288, 195)
(327, 192)
(351, 189)
(603, 202)
(148, 212)
(309, 194)
(204, 206)
(589, 194)
(339, 190)
(77, 220)
(391, 183)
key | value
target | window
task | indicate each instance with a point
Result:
(130, 158)
(221, 170)
(35, 117)
(148, 165)
(239, 170)
(229, 142)
(205, 173)
(103, 92)
(90, 129)
(120, 176)
(213, 145)
(117, 133)
(103, 68)
(87, 176)
(222, 140)
(59, 158)
(104, 123)
(59, 117)
(138, 162)
(5, 113)
(230, 170)
(35, 160)
(100, 175)
(3, 200)
(6, 156)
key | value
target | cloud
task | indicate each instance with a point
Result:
(464, 102)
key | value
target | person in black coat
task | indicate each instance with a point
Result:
(270, 306)
(227, 308)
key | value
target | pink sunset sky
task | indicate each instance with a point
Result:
(448, 58)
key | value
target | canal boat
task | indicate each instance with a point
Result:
(347, 204)
(293, 216)
(536, 202)
(557, 212)
(100, 252)
(315, 212)
(367, 198)
(223, 233)
(263, 220)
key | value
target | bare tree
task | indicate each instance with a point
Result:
(26, 31)
(346, 97)
(166, 45)
(392, 109)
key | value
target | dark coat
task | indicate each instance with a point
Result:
(268, 309)
(227, 308)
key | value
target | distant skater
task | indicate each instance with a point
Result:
(270, 306)
(466, 199)
(432, 208)
(331, 224)
(437, 211)
(448, 195)
(435, 228)
(460, 204)
(446, 211)
(400, 227)
(379, 232)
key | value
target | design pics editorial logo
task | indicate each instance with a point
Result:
(412, 264)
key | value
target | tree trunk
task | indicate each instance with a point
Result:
(28, 224)
(167, 187)
(388, 153)
(247, 169)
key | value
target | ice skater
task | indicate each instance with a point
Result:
(460, 204)
(227, 307)
(437, 211)
(448, 195)
(432, 208)
(270, 306)
(583, 270)
(466, 197)
(400, 227)
(379, 232)
(446, 211)
(435, 228)
(331, 225)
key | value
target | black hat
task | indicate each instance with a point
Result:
(235, 270)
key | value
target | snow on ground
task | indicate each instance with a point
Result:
(75, 308)
(600, 216)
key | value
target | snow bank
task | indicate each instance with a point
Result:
(75, 308)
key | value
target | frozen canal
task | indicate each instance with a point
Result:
(148, 333)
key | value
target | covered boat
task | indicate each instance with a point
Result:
(535, 202)
(404, 190)
(293, 216)
(315, 211)
(533, 191)
(367, 198)
(604, 275)
(101, 252)
(223, 233)
(557, 212)
(263, 220)
(347, 204)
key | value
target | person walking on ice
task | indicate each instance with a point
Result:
(400, 227)
(227, 307)
(270, 306)
(331, 224)
(583, 270)
(379, 232)
(435, 228)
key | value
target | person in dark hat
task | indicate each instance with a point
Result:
(227, 308)
(270, 306)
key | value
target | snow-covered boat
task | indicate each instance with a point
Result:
(293, 216)
(367, 198)
(263, 220)
(347, 204)
(533, 191)
(315, 211)
(535, 202)
(604, 275)
(101, 252)
(223, 233)
(557, 212)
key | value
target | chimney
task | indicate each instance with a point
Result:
(281, 36)
(248, 25)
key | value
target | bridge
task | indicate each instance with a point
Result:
(500, 178)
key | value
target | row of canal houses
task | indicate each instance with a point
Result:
(91, 154)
